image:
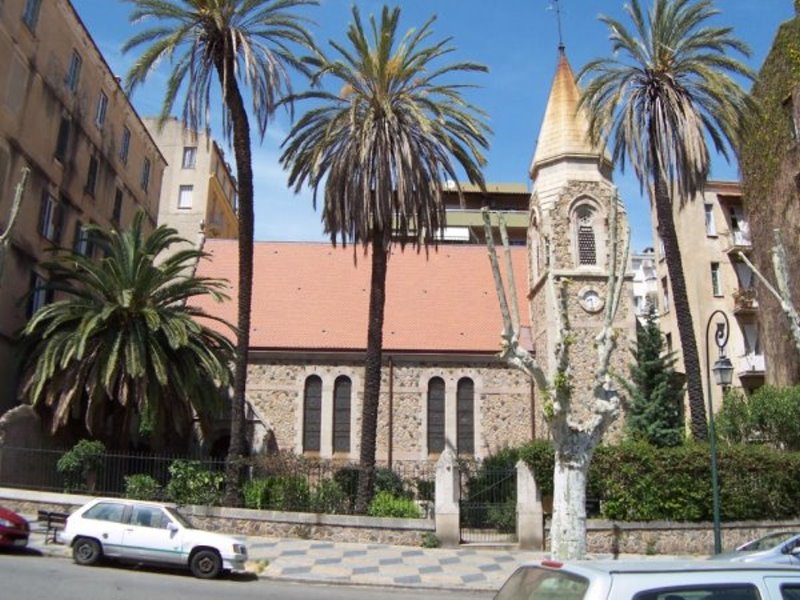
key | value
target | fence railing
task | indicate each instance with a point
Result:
(279, 482)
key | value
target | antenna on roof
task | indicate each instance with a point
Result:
(554, 5)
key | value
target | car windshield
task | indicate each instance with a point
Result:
(535, 583)
(768, 541)
(179, 518)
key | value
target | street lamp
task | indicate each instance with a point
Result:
(723, 376)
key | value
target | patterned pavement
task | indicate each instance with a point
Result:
(464, 568)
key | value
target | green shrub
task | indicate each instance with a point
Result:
(329, 498)
(282, 492)
(347, 478)
(387, 480)
(635, 481)
(426, 489)
(384, 504)
(429, 540)
(190, 483)
(503, 516)
(80, 465)
(142, 487)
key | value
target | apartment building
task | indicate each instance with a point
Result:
(645, 282)
(64, 115)
(198, 192)
(712, 231)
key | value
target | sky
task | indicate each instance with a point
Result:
(516, 39)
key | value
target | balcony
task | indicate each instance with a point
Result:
(745, 301)
(750, 366)
(738, 241)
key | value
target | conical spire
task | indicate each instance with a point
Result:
(564, 131)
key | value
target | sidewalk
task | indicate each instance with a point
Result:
(464, 568)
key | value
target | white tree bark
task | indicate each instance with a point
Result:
(574, 436)
(5, 238)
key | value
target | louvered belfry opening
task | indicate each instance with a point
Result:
(587, 244)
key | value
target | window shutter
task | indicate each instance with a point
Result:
(341, 414)
(312, 414)
(465, 413)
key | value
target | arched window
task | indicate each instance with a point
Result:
(465, 416)
(312, 414)
(435, 415)
(341, 414)
(585, 235)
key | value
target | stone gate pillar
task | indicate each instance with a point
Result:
(448, 494)
(530, 517)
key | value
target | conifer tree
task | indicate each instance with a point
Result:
(654, 411)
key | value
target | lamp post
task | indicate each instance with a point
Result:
(723, 375)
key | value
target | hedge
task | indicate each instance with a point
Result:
(637, 482)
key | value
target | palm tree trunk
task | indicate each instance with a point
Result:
(372, 373)
(691, 360)
(244, 179)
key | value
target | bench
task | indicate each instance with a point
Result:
(54, 522)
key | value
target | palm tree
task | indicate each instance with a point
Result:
(245, 42)
(123, 344)
(668, 87)
(381, 148)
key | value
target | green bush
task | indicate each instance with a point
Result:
(190, 483)
(429, 540)
(387, 480)
(426, 489)
(80, 465)
(347, 478)
(503, 517)
(385, 504)
(142, 487)
(329, 498)
(770, 414)
(282, 492)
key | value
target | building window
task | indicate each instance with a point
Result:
(145, 181)
(668, 342)
(189, 157)
(341, 414)
(711, 226)
(116, 214)
(82, 242)
(716, 283)
(102, 107)
(664, 295)
(16, 84)
(586, 240)
(39, 295)
(73, 72)
(63, 138)
(435, 415)
(312, 414)
(125, 145)
(31, 13)
(50, 219)
(185, 196)
(465, 416)
(91, 176)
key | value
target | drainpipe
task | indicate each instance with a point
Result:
(391, 413)
(533, 410)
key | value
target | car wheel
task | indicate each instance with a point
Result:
(86, 551)
(205, 564)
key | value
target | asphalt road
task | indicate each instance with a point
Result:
(25, 576)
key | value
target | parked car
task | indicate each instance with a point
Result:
(14, 529)
(782, 547)
(651, 580)
(148, 532)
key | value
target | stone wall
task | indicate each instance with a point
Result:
(503, 403)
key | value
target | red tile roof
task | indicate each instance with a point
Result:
(312, 296)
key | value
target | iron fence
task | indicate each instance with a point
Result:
(487, 507)
(287, 482)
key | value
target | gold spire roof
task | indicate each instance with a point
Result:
(564, 131)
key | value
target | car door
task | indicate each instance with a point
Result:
(105, 521)
(148, 538)
(783, 587)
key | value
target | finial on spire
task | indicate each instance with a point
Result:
(557, 7)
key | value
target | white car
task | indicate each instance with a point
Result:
(651, 580)
(148, 532)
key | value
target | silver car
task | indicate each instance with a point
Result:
(651, 580)
(782, 547)
(148, 532)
